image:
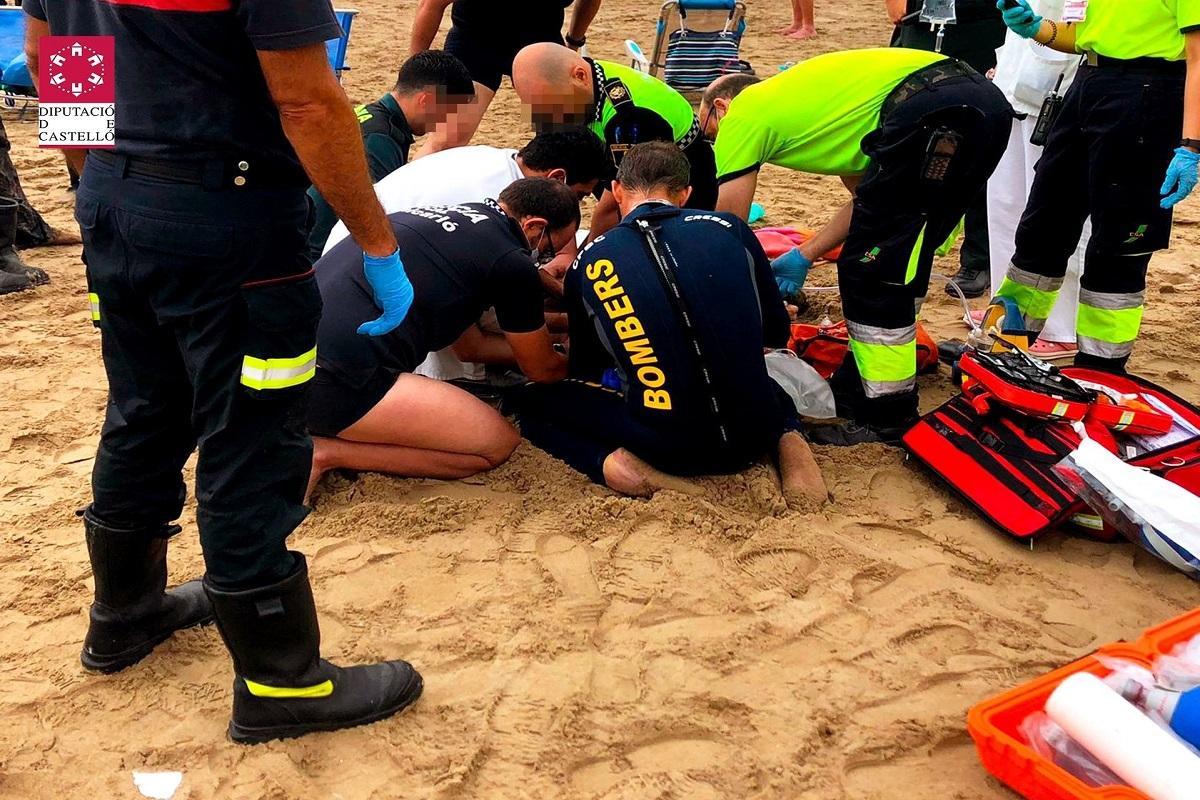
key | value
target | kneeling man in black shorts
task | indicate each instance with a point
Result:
(670, 313)
(367, 410)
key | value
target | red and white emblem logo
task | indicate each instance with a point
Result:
(77, 91)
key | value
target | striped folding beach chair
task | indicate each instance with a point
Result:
(697, 42)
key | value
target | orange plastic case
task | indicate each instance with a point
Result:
(995, 724)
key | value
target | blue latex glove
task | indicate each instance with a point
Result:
(393, 293)
(791, 270)
(1181, 177)
(1021, 18)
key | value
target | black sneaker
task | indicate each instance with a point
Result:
(849, 434)
(972, 282)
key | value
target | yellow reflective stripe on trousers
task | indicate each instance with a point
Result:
(323, 689)
(886, 357)
(279, 373)
(94, 305)
(1114, 326)
(914, 258)
(1034, 294)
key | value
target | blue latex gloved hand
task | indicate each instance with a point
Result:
(393, 293)
(791, 270)
(1182, 176)
(1021, 18)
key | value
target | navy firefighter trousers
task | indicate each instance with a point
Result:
(208, 311)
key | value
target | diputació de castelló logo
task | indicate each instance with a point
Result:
(77, 92)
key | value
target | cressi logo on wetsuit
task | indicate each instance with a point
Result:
(606, 284)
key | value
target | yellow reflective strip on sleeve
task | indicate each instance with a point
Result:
(94, 305)
(323, 689)
(279, 373)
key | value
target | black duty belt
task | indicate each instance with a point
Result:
(923, 79)
(1158, 65)
(211, 174)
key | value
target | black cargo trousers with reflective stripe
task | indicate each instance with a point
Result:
(208, 314)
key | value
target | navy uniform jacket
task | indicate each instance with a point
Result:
(688, 349)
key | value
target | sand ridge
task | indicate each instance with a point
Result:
(574, 644)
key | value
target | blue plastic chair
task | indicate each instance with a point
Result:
(336, 48)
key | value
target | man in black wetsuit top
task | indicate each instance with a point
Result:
(670, 314)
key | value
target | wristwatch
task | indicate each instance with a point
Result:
(573, 42)
(1192, 143)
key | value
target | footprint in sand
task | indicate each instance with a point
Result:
(785, 568)
(570, 564)
(669, 756)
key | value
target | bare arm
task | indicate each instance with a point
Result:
(426, 23)
(605, 216)
(737, 195)
(835, 231)
(1191, 92)
(581, 17)
(1064, 42)
(320, 124)
(896, 10)
(35, 29)
(481, 347)
(536, 356)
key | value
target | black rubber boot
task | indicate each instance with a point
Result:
(282, 688)
(850, 434)
(10, 282)
(132, 612)
(10, 261)
(973, 282)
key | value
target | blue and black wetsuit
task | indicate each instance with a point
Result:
(670, 313)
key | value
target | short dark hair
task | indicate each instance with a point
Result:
(576, 150)
(435, 68)
(729, 86)
(542, 197)
(655, 165)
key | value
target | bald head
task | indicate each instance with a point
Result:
(554, 84)
(717, 97)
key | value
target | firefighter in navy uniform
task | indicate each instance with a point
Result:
(670, 312)
(194, 236)
(1124, 151)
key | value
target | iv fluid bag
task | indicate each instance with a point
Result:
(938, 12)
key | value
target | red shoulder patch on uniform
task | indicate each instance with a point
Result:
(177, 5)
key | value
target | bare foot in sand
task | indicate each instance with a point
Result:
(59, 238)
(801, 478)
(626, 473)
(802, 33)
(788, 30)
(319, 467)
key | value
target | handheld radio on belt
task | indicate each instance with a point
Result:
(1051, 107)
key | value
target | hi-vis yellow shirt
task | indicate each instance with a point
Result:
(813, 117)
(1138, 28)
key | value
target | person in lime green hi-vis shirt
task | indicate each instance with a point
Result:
(1124, 151)
(622, 106)
(914, 136)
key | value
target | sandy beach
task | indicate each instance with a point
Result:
(574, 644)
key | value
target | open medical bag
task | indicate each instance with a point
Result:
(996, 444)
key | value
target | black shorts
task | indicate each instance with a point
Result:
(334, 405)
(490, 57)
